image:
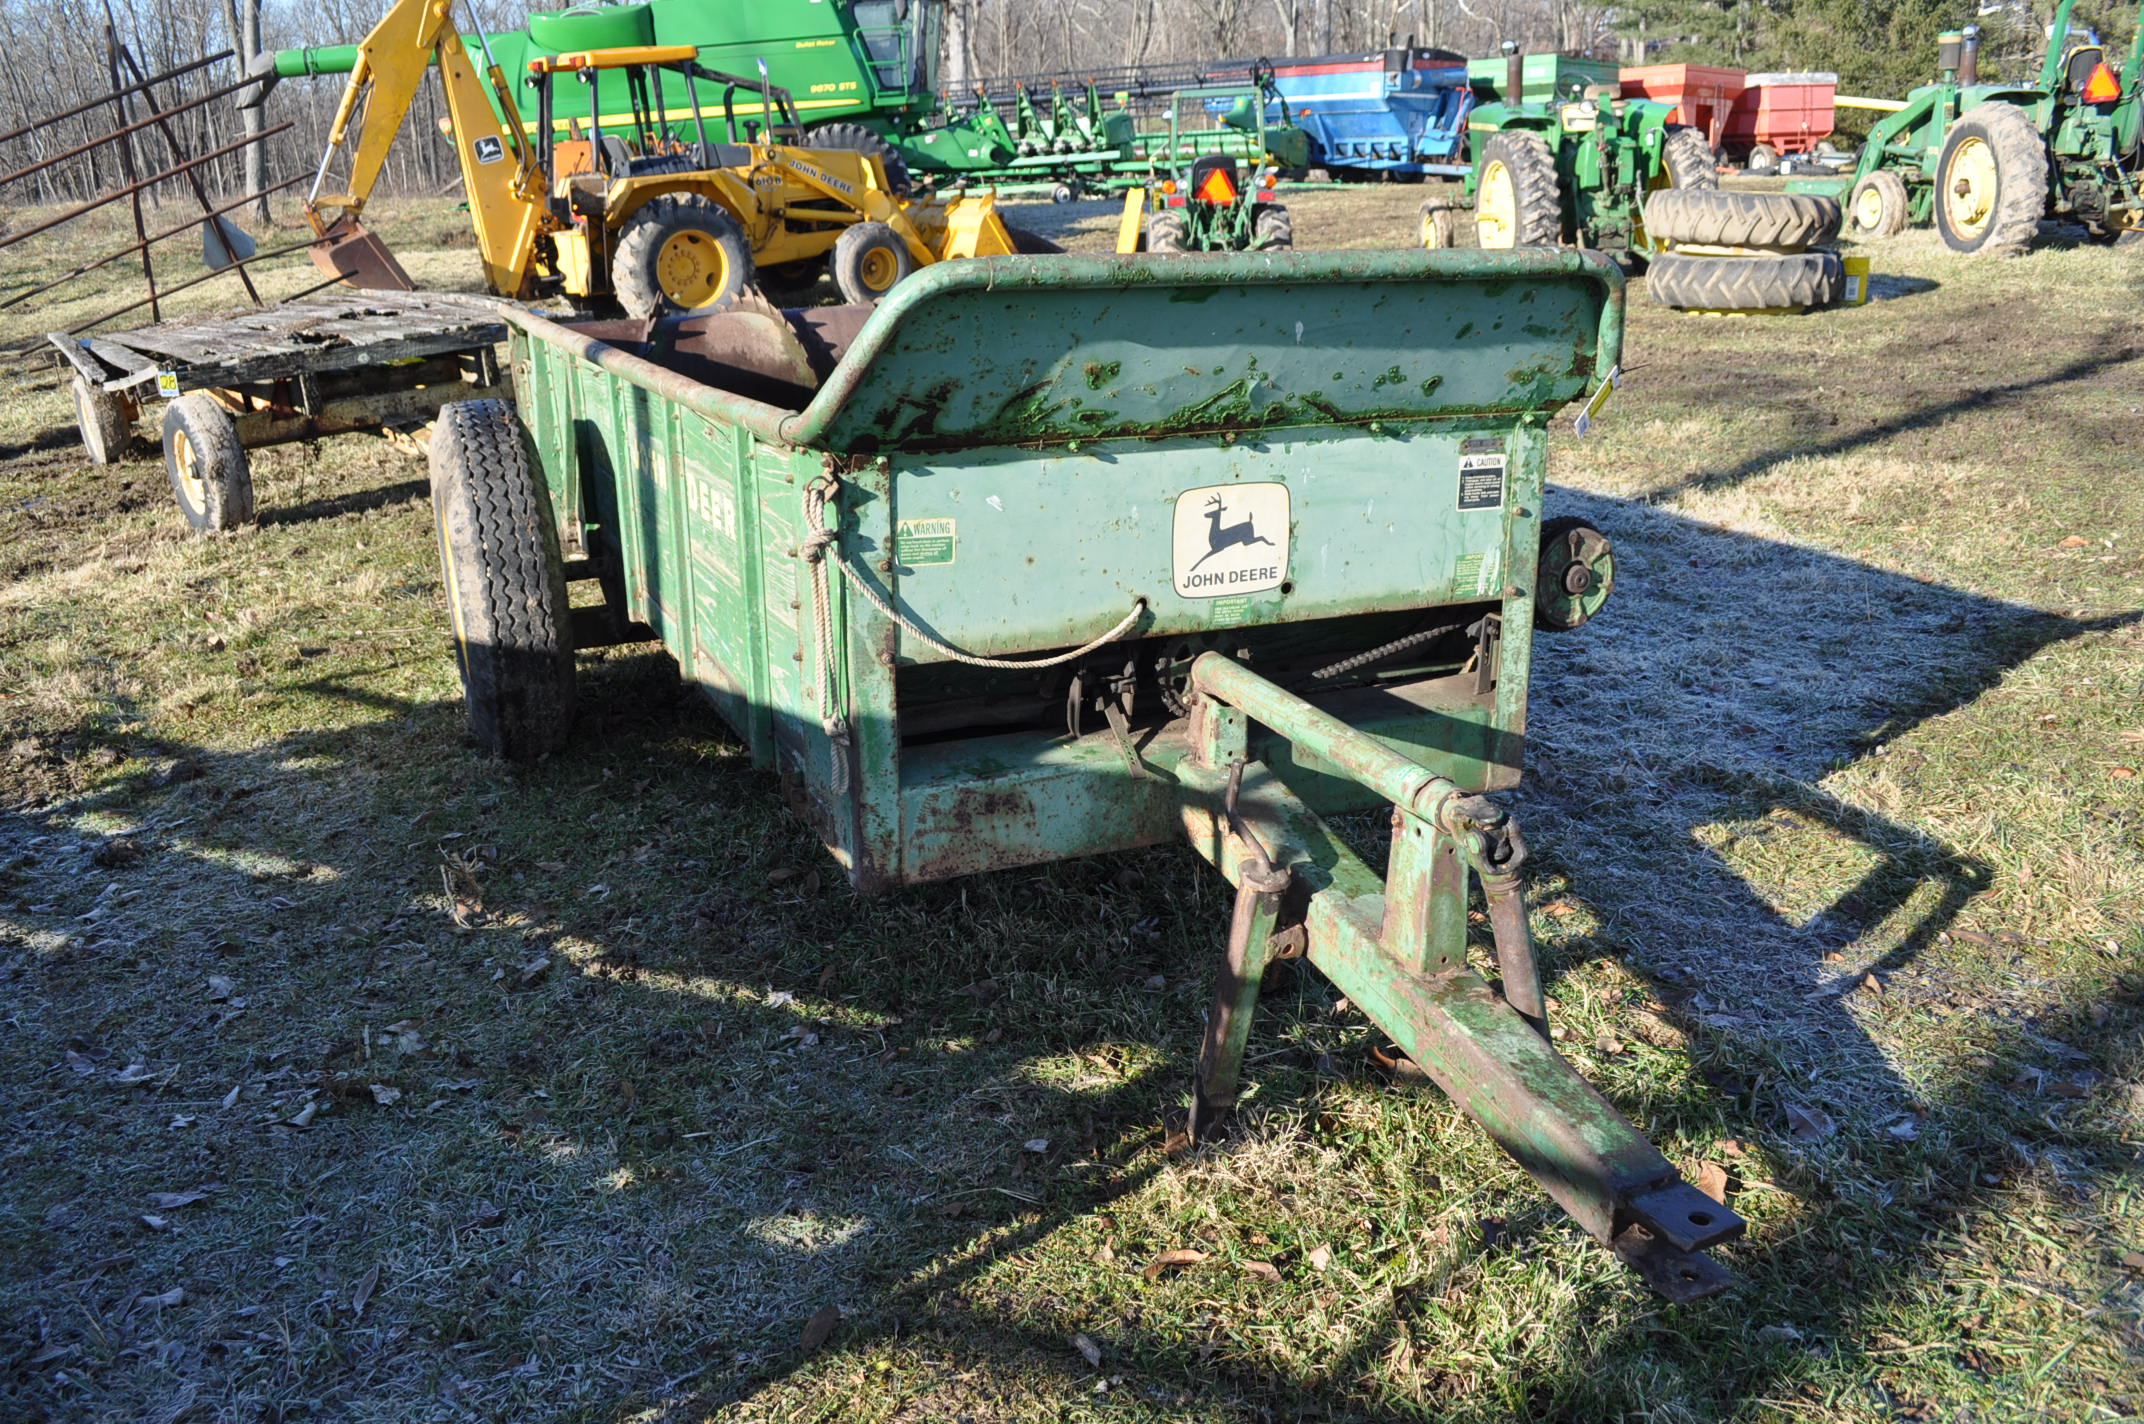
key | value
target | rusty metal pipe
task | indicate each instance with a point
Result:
(1969, 57)
(102, 99)
(1514, 73)
(172, 172)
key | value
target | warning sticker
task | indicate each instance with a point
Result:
(1481, 481)
(1231, 539)
(919, 543)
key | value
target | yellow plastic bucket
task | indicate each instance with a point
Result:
(1857, 283)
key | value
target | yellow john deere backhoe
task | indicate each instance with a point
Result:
(632, 211)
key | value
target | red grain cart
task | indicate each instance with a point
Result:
(1703, 96)
(1781, 114)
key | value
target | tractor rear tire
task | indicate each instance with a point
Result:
(1878, 206)
(1688, 159)
(102, 418)
(1519, 202)
(1165, 232)
(1991, 182)
(680, 254)
(1803, 279)
(505, 581)
(869, 260)
(1271, 228)
(207, 464)
(855, 138)
(1765, 222)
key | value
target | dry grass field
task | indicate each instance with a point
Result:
(348, 1076)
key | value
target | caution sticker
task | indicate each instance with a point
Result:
(1481, 481)
(1231, 539)
(919, 543)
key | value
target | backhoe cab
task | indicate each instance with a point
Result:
(640, 209)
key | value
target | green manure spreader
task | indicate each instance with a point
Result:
(1042, 558)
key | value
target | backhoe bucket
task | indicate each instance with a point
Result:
(360, 259)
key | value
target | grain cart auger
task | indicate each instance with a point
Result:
(1043, 558)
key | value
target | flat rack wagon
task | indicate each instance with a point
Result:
(322, 365)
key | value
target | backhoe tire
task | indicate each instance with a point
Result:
(1763, 222)
(1272, 230)
(102, 418)
(680, 254)
(1803, 279)
(207, 464)
(869, 260)
(1878, 206)
(1688, 159)
(1165, 232)
(1518, 202)
(1991, 182)
(855, 138)
(505, 581)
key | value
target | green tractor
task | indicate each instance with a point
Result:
(1986, 161)
(1204, 199)
(1573, 165)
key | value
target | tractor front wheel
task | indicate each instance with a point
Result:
(1271, 228)
(1519, 202)
(1165, 231)
(1440, 225)
(207, 464)
(505, 579)
(680, 254)
(1878, 206)
(1991, 182)
(869, 260)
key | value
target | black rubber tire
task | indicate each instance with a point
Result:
(1763, 158)
(1885, 192)
(201, 438)
(855, 138)
(1768, 222)
(1439, 225)
(107, 429)
(1802, 279)
(1537, 194)
(1033, 244)
(862, 254)
(634, 273)
(505, 581)
(2020, 181)
(1064, 193)
(1165, 232)
(1688, 158)
(1272, 230)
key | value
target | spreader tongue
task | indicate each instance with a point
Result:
(359, 258)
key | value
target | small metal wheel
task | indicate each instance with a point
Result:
(1064, 193)
(505, 579)
(1576, 575)
(869, 260)
(207, 464)
(105, 420)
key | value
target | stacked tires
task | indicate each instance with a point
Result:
(1726, 251)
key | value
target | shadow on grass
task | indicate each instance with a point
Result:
(700, 1096)
(359, 502)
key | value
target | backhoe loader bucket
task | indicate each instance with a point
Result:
(360, 259)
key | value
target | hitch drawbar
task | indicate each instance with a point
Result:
(1398, 950)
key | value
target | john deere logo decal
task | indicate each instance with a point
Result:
(488, 149)
(1231, 539)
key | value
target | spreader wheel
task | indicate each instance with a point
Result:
(207, 464)
(1576, 575)
(505, 581)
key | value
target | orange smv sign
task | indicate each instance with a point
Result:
(1215, 187)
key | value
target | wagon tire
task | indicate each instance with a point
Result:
(207, 464)
(1760, 222)
(505, 581)
(1878, 206)
(1688, 159)
(869, 260)
(1165, 232)
(102, 418)
(680, 254)
(1518, 202)
(1802, 279)
(1995, 142)
(1271, 228)
(1763, 158)
(855, 138)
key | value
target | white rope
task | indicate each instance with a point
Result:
(816, 496)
